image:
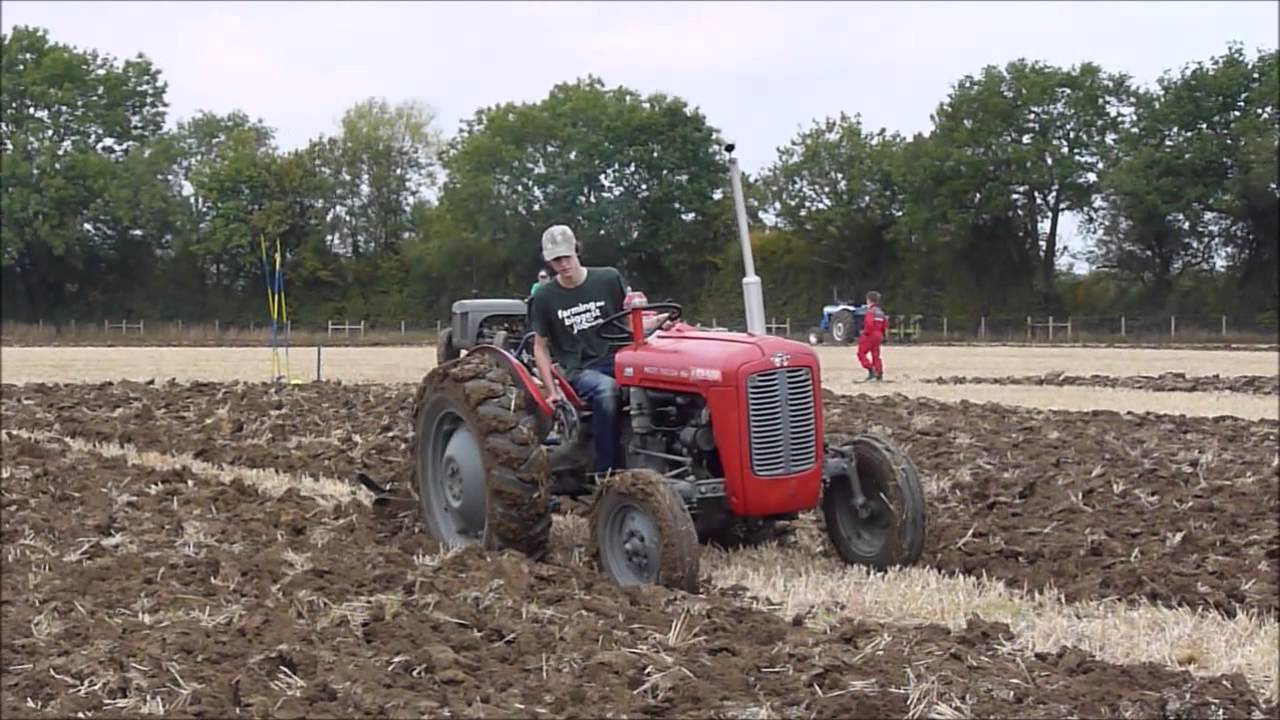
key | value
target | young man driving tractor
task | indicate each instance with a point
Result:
(566, 312)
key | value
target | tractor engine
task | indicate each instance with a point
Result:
(670, 432)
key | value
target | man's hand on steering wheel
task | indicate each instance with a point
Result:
(659, 322)
(620, 321)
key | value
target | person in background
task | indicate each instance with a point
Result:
(543, 277)
(874, 325)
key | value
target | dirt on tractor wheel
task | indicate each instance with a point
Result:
(130, 589)
(481, 392)
(1164, 382)
(1177, 510)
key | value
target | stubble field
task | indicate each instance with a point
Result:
(1102, 542)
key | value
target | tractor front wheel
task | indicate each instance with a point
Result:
(642, 534)
(883, 525)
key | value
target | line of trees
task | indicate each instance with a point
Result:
(106, 212)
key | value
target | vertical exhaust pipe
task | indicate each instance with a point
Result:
(752, 289)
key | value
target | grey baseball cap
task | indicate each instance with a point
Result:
(558, 241)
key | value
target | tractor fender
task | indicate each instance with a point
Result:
(526, 379)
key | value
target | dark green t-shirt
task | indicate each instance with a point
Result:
(567, 317)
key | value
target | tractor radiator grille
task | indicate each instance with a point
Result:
(781, 421)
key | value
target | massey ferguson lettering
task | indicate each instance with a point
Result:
(692, 373)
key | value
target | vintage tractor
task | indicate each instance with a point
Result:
(842, 319)
(718, 431)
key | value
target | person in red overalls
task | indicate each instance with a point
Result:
(874, 325)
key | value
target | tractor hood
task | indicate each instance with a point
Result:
(685, 355)
(710, 336)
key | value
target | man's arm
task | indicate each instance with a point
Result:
(541, 353)
(542, 358)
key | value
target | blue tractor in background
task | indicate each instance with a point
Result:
(841, 320)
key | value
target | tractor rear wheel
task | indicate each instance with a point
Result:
(889, 529)
(642, 533)
(479, 468)
(842, 330)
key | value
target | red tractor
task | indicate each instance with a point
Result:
(720, 431)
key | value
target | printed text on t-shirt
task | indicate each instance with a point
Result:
(582, 316)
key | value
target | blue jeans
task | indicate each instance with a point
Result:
(596, 386)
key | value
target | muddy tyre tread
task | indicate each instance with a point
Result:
(681, 553)
(509, 432)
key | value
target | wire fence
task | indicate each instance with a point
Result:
(903, 328)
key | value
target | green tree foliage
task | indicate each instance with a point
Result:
(224, 177)
(633, 175)
(1193, 186)
(385, 161)
(834, 190)
(1016, 148)
(104, 212)
(72, 125)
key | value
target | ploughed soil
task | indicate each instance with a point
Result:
(1177, 510)
(1164, 382)
(131, 590)
(1173, 509)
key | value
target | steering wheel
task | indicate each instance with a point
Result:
(616, 321)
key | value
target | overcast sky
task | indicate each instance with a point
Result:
(759, 71)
